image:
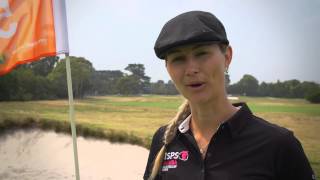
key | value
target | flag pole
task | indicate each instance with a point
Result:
(71, 116)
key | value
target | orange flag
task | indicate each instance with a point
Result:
(30, 29)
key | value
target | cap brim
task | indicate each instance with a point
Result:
(166, 51)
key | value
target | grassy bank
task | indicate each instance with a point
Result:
(84, 130)
(134, 119)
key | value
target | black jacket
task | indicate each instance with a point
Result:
(245, 147)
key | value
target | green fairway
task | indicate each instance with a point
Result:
(141, 116)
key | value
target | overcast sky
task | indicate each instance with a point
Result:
(272, 39)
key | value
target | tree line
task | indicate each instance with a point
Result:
(46, 79)
(250, 86)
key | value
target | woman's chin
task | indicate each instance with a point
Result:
(198, 98)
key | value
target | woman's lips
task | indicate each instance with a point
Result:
(195, 85)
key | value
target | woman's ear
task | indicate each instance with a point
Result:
(228, 56)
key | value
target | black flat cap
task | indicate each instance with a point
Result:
(187, 28)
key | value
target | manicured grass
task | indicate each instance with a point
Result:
(139, 117)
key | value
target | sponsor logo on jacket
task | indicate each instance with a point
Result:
(171, 159)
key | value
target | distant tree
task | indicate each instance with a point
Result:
(278, 89)
(309, 88)
(129, 85)
(159, 87)
(26, 81)
(104, 82)
(8, 86)
(293, 89)
(313, 97)
(248, 85)
(25, 85)
(138, 71)
(227, 80)
(146, 86)
(264, 89)
(233, 89)
(81, 71)
(44, 66)
(171, 88)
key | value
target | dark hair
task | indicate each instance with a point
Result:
(223, 47)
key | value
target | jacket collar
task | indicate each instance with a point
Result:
(235, 124)
(185, 125)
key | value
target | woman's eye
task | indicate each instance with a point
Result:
(178, 59)
(202, 53)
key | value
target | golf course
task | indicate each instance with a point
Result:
(135, 119)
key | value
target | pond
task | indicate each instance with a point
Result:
(38, 155)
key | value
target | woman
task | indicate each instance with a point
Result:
(210, 138)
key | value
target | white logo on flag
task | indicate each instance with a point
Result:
(13, 26)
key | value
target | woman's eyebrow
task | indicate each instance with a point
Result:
(192, 48)
(173, 51)
(199, 46)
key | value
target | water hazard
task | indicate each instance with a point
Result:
(39, 155)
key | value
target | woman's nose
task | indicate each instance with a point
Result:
(192, 67)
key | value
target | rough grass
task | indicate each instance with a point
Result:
(134, 119)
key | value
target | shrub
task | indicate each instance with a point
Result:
(313, 97)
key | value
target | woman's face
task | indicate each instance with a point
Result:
(198, 71)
